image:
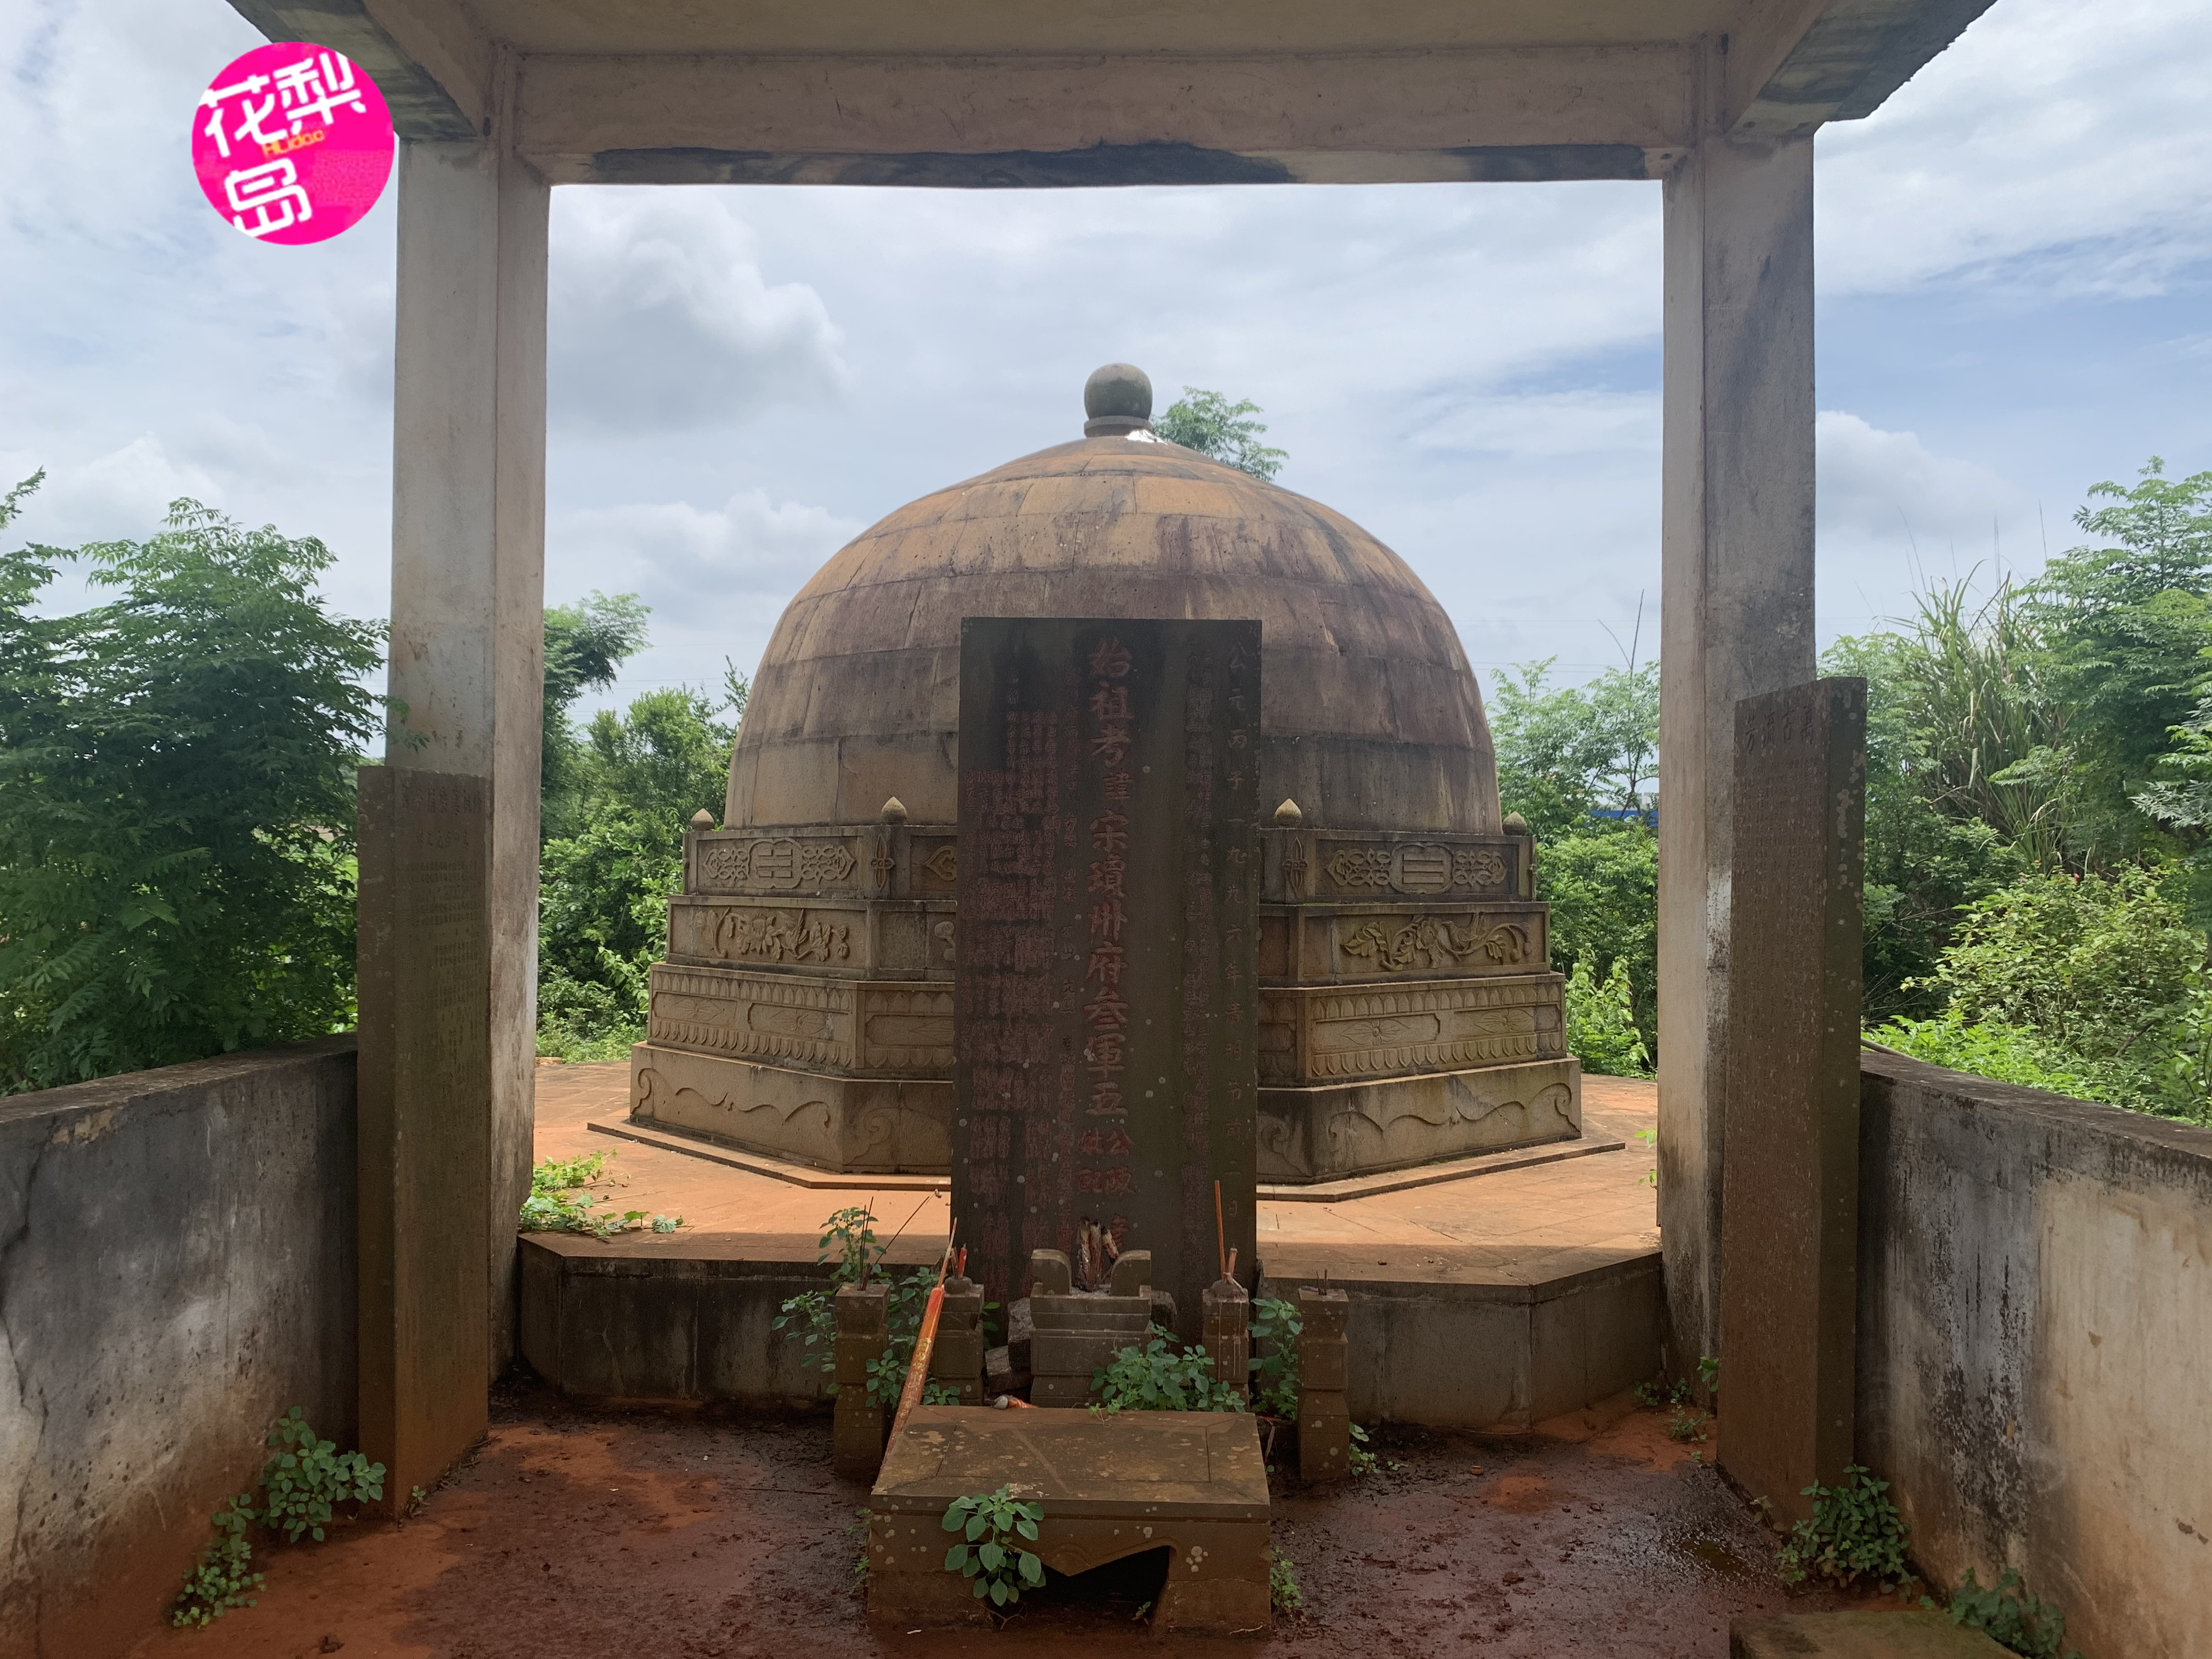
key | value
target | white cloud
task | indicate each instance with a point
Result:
(2077, 137)
(660, 319)
(1877, 486)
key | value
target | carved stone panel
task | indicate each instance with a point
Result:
(907, 1030)
(1409, 942)
(1304, 867)
(779, 1017)
(821, 938)
(1321, 1036)
(727, 862)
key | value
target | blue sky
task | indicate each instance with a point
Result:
(2015, 301)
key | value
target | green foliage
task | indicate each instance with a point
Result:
(1854, 1532)
(1283, 1592)
(2009, 1616)
(636, 778)
(220, 1578)
(994, 1527)
(558, 1202)
(176, 800)
(2103, 976)
(1363, 1460)
(1566, 755)
(1158, 1377)
(1654, 1396)
(1209, 423)
(1990, 1048)
(1566, 752)
(1602, 1029)
(810, 1319)
(1275, 1329)
(586, 645)
(2126, 627)
(308, 1477)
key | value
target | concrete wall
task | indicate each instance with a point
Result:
(177, 1268)
(2035, 1347)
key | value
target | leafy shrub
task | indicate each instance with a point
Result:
(1209, 423)
(992, 1557)
(177, 769)
(1275, 1328)
(1157, 1377)
(810, 1318)
(1855, 1533)
(308, 1477)
(1601, 1031)
(1283, 1592)
(1603, 883)
(2009, 1616)
(1990, 1048)
(302, 1487)
(219, 1580)
(558, 1203)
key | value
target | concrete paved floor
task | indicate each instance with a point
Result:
(1515, 1224)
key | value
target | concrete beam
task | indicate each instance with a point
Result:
(1735, 620)
(1794, 64)
(433, 68)
(468, 535)
(1537, 112)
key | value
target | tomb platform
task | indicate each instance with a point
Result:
(1487, 1293)
(1193, 1484)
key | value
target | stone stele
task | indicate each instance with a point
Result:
(1407, 1011)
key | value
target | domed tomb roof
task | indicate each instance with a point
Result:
(1371, 718)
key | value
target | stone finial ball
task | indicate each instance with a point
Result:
(1119, 389)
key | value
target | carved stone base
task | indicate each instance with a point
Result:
(1328, 1133)
(871, 1125)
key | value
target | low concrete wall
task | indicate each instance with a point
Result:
(177, 1268)
(692, 1322)
(2035, 1347)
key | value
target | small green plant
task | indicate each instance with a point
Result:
(1650, 1176)
(1855, 1533)
(1275, 1329)
(559, 1203)
(1689, 1424)
(992, 1557)
(849, 1246)
(1158, 1378)
(1365, 1461)
(1654, 1396)
(2009, 1616)
(308, 1476)
(1709, 1373)
(1283, 1592)
(219, 1580)
(859, 1528)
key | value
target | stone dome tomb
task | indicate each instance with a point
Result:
(1408, 1009)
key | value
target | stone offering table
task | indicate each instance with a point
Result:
(1194, 1483)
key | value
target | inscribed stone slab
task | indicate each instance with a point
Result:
(1104, 1005)
(1789, 1216)
(424, 1149)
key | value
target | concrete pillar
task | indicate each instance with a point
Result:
(1735, 620)
(468, 538)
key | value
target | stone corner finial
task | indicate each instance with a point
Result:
(1514, 825)
(894, 810)
(1118, 401)
(1288, 814)
(702, 820)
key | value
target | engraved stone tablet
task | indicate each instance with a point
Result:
(1790, 1212)
(1105, 1019)
(424, 1149)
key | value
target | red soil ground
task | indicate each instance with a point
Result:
(721, 1534)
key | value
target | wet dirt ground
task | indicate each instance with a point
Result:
(721, 1534)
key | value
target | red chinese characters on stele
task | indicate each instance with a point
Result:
(292, 143)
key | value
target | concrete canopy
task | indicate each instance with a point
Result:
(1003, 93)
